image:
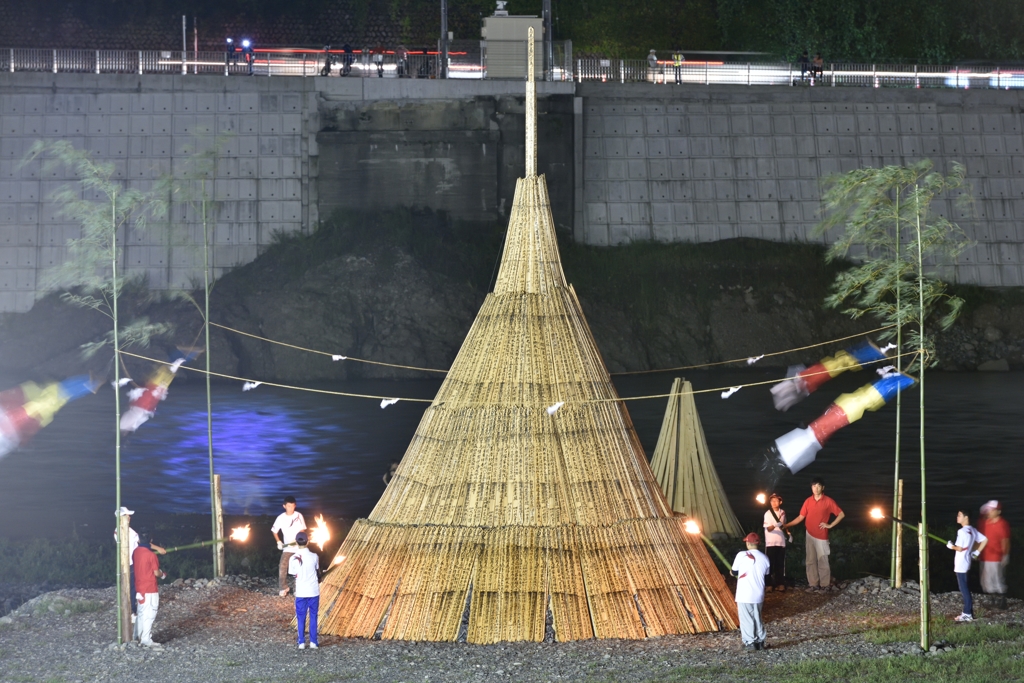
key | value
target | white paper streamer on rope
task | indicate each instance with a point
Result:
(121, 382)
(887, 371)
(888, 347)
(754, 359)
(250, 385)
(136, 393)
(339, 357)
(554, 409)
(176, 364)
(388, 402)
(730, 391)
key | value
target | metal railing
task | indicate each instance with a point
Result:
(857, 75)
(470, 59)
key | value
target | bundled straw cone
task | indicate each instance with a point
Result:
(683, 467)
(525, 498)
(511, 514)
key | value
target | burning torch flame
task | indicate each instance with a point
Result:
(876, 513)
(339, 559)
(761, 499)
(240, 533)
(691, 527)
(321, 534)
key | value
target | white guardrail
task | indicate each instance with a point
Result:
(466, 59)
(861, 75)
(469, 60)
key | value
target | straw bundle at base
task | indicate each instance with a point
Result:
(503, 512)
(683, 467)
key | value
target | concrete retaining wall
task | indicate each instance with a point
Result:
(624, 162)
(701, 164)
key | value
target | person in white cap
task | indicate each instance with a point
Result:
(304, 565)
(750, 568)
(996, 554)
(133, 543)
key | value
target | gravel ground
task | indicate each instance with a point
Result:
(237, 629)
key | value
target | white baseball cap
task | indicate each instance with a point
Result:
(125, 511)
(991, 505)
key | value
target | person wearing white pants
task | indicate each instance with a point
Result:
(147, 571)
(750, 568)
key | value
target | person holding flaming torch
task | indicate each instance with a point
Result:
(750, 568)
(147, 571)
(775, 542)
(289, 523)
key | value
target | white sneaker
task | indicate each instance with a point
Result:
(314, 646)
(302, 646)
(283, 592)
(150, 643)
(963, 618)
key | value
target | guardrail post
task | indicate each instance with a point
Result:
(622, 71)
(707, 77)
(957, 71)
(140, 62)
(54, 61)
(874, 75)
(833, 64)
(579, 70)
(184, 56)
(12, 60)
(748, 74)
(97, 61)
(997, 78)
(917, 79)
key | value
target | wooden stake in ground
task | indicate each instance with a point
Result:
(898, 578)
(218, 520)
(126, 630)
(525, 497)
(683, 467)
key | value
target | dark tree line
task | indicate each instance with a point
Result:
(863, 31)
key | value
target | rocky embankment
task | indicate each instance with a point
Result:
(746, 299)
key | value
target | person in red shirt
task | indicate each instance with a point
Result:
(996, 555)
(815, 513)
(147, 571)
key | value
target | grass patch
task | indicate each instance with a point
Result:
(945, 629)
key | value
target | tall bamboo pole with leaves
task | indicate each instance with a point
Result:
(198, 172)
(90, 278)
(873, 207)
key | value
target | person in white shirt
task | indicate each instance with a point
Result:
(304, 565)
(749, 568)
(969, 544)
(775, 542)
(289, 523)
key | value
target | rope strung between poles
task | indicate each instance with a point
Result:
(274, 384)
(332, 356)
(622, 399)
(614, 374)
(744, 359)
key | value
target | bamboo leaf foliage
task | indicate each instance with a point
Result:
(886, 220)
(105, 208)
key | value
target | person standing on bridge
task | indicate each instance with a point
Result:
(677, 64)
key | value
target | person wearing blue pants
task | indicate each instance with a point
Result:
(304, 565)
(969, 544)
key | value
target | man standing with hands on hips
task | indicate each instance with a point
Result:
(289, 523)
(816, 512)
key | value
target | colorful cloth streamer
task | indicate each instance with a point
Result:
(144, 400)
(803, 382)
(28, 408)
(800, 447)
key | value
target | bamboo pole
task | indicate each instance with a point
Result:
(923, 532)
(218, 562)
(898, 575)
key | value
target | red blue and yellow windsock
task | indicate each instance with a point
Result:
(800, 447)
(29, 407)
(144, 400)
(805, 381)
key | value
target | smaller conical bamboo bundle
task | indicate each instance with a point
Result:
(683, 467)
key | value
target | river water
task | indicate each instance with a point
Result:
(330, 452)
